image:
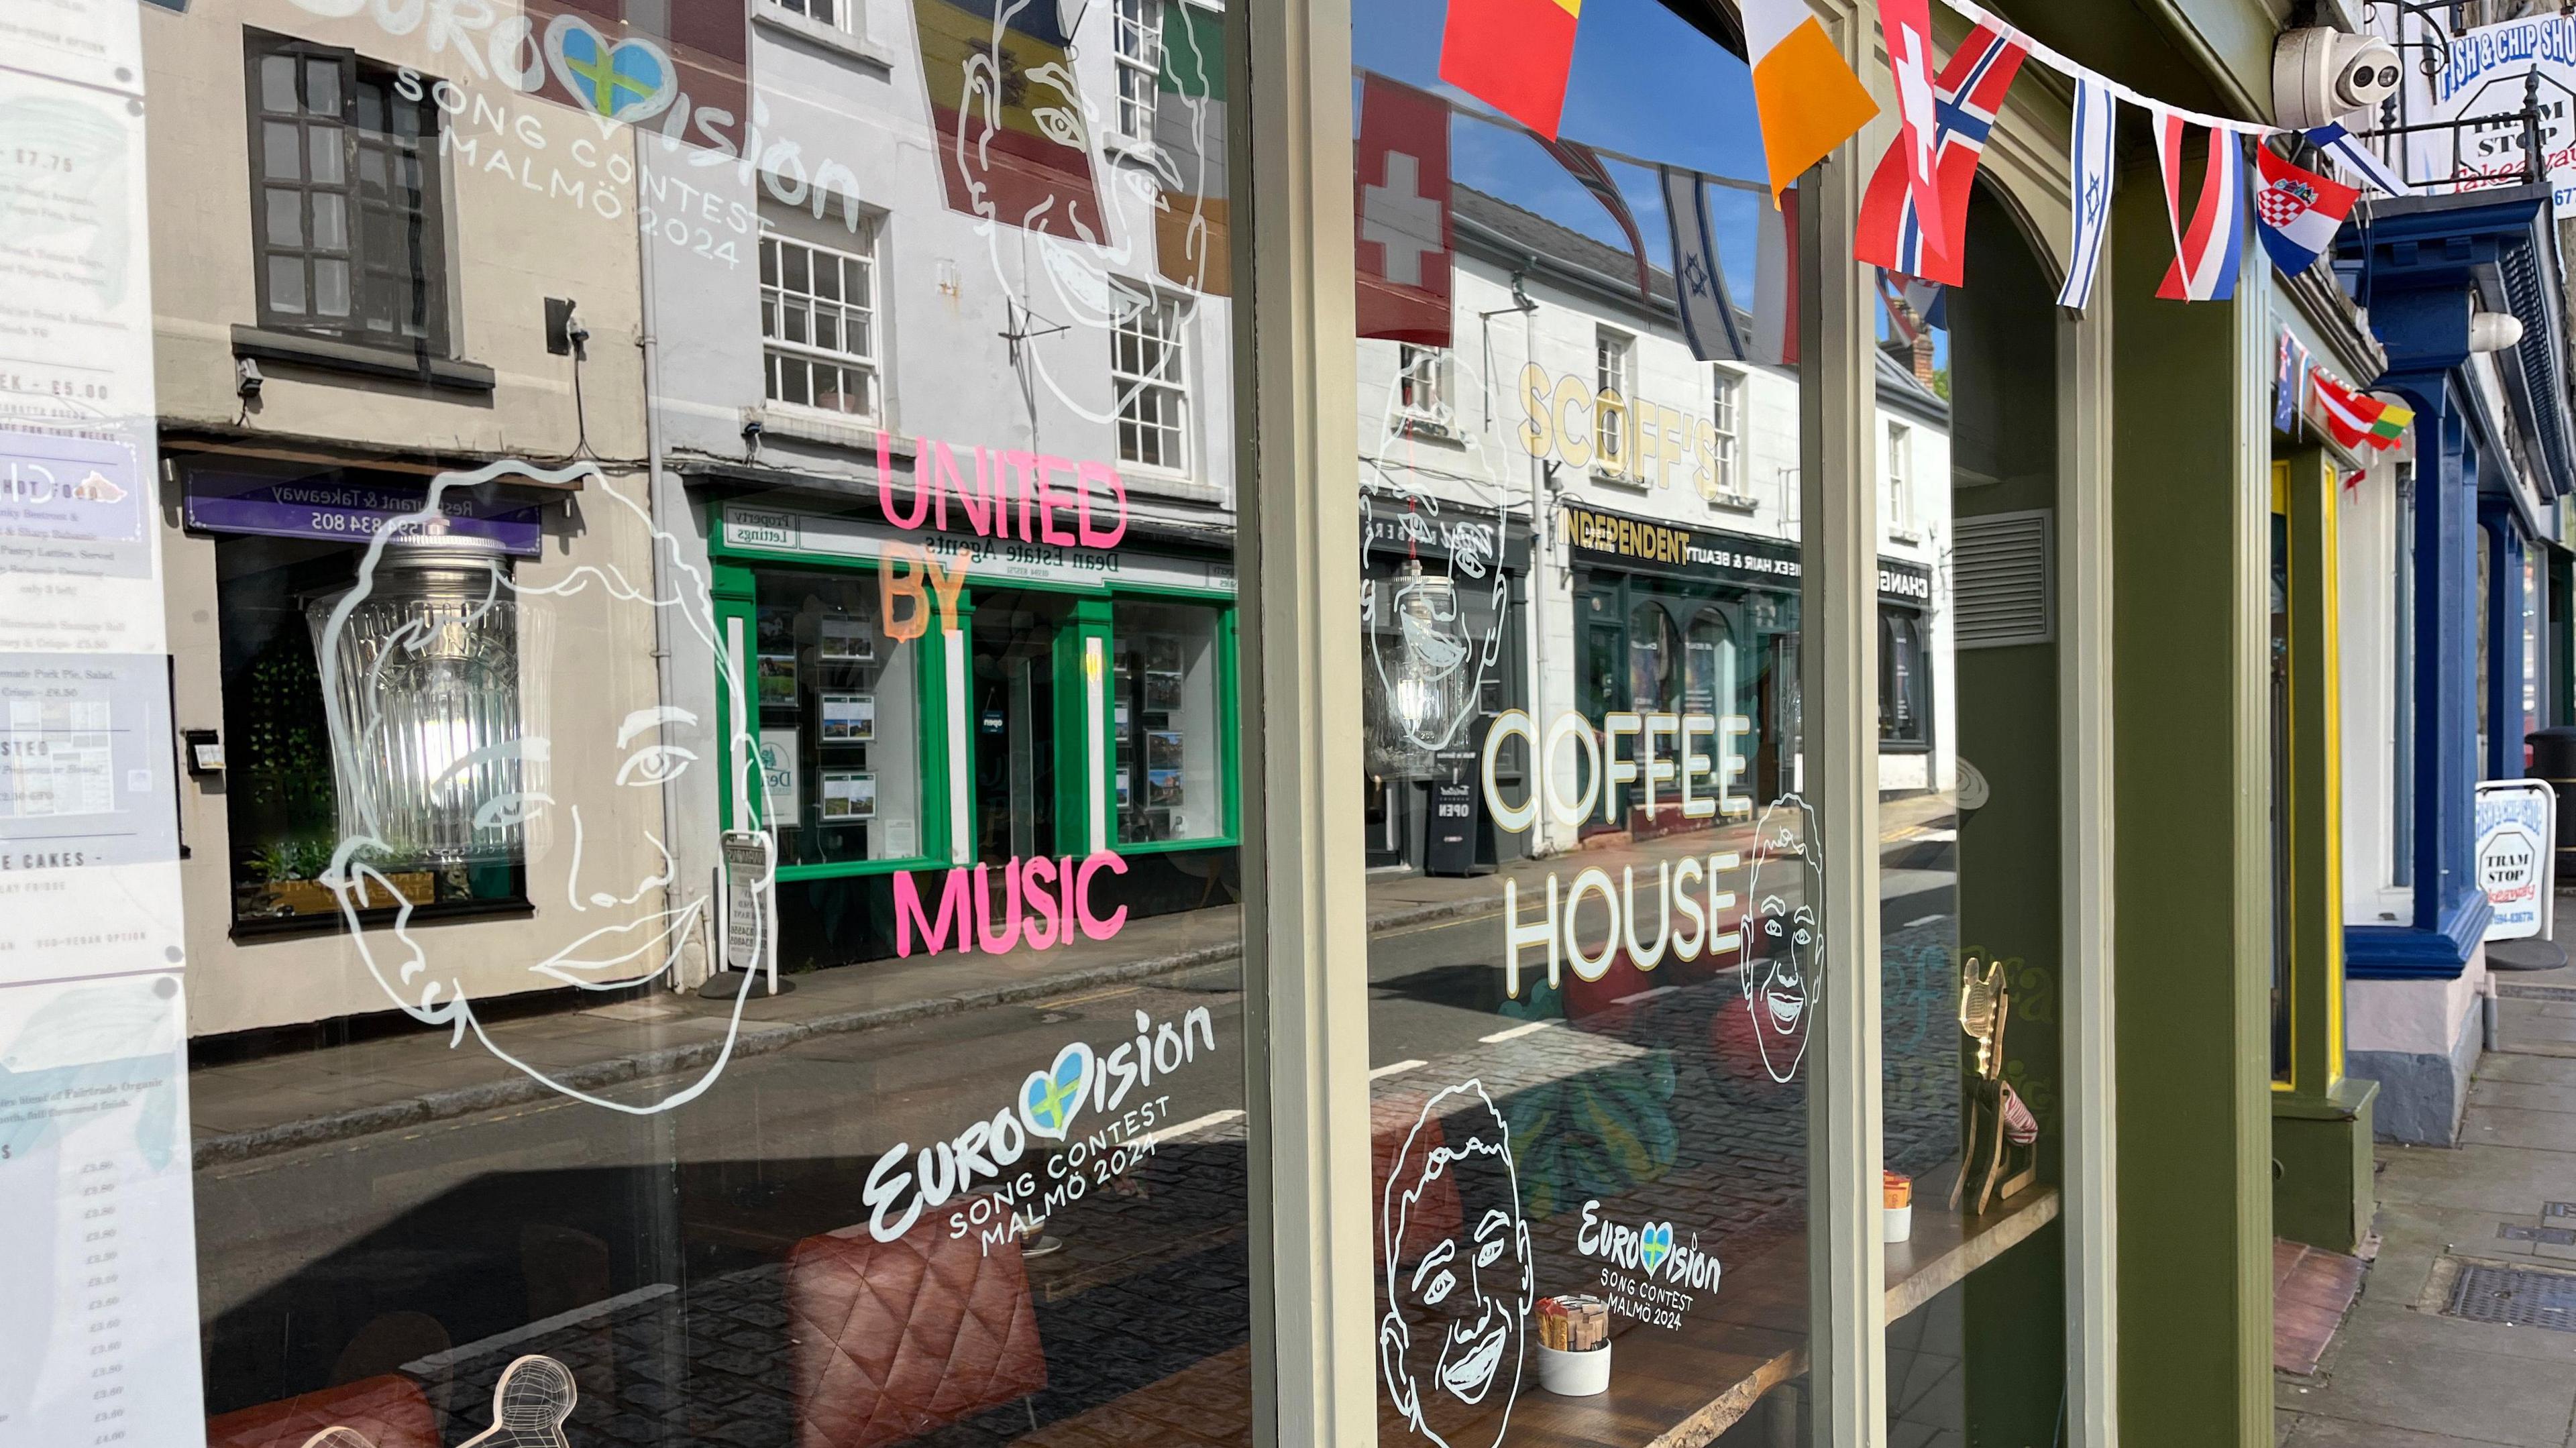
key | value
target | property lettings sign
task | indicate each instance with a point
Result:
(2483, 85)
(2517, 864)
(1598, 539)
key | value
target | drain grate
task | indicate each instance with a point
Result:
(2524, 1296)
(2513, 991)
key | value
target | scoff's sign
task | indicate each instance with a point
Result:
(2517, 866)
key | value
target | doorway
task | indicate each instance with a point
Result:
(1012, 725)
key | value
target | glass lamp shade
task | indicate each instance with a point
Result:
(425, 706)
(1426, 682)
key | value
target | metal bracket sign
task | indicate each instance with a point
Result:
(2517, 858)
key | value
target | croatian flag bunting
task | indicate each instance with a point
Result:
(1893, 232)
(2096, 112)
(2301, 211)
(2206, 255)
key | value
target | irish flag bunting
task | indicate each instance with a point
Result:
(1803, 89)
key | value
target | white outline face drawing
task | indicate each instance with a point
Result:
(1784, 941)
(1094, 258)
(1458, 1312)
(636, 927)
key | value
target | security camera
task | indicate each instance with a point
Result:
(247, 379)
(2320, 75)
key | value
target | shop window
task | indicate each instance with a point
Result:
(1422, 383)
(1708, 676)
(1147, 365)
(1167, 734)
(290, 798)
(1614, 367)
(818, 316)
(1904, 679)
(345, 223)
(840, 721)
(1140, 66)
(1651, 659)
(2402, 671)
(1727, 421)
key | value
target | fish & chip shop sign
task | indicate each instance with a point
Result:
(2517, 866)
(2482, 84)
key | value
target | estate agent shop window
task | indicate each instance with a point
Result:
(670, 785)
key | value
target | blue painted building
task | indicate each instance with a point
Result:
(2446, 636)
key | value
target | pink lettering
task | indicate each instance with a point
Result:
(952, 901)
(1093, 926)
(1049, 500)
(997, 942)
(885, 489)
(1096, 537)
(1038, 876)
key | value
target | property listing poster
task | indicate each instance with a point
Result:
(98, 1330)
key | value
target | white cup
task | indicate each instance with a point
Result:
(1897, 1221)
(1574, 1374)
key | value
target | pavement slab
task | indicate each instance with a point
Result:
(2402, 1373)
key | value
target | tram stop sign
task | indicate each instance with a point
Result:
(2517, 864)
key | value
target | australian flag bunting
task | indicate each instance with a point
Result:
(2208, 252)
(2301, 211)
(2097, 111)
(1966, 96)
(1708, 313)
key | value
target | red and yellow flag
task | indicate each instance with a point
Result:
(1514, 55)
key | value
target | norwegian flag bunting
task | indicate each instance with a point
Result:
(2301, 211)
(1892, 231)
(2207, 255)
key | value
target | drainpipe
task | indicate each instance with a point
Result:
(1539, 586)
(674, 809)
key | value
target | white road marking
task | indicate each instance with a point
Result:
(1519, 1030)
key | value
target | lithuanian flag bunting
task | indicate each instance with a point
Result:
(2353, 418)
(1514, 55)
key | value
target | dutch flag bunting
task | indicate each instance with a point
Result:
(2207, 254)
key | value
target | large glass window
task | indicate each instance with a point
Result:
(1168, 723)
(840, 706)
(1590, 1095)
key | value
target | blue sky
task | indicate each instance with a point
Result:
(1644, 83)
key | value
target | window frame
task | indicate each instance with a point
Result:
(843, 13)
(1614, 346)
(1726, 429)
(1145, 59)
(1171, 377)
(1412, 377)
(871, 363)
(429, 216)
(1898, 471)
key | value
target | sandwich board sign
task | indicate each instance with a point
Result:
(2517, 855)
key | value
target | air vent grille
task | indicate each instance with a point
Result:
(2004, 580)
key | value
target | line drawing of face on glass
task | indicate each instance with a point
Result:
(1027, 154)
(446, 769)
(1456, 1324)
(1430, 648)
(1784, 939)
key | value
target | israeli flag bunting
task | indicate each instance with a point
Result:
(2096, 111)
(1708, 313)
(2358, 159)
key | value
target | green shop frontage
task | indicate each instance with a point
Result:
(931, 698)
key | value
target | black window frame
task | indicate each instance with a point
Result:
(423, 222)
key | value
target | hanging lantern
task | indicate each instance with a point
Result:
(1425, 687)
(425, 703)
